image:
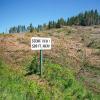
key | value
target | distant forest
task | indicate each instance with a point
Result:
(87, 18)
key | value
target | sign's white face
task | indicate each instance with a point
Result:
(39, 43)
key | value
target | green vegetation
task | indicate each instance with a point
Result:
(14, 86)
(60, 84)
(63, 83)
(33, 67)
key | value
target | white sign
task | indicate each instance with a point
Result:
(39, 43)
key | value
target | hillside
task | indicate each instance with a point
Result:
(75, 49)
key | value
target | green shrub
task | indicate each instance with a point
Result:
(33, 67)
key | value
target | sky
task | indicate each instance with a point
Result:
(24, 12)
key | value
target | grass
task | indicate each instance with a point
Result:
(62, 81)
(13, 86)
(62, 85)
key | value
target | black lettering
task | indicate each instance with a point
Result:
(36, 40)
(39, 45)
(34, 45)
(48, 46)
(44, 45)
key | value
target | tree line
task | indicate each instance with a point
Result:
(87, 18)
(51, 24)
